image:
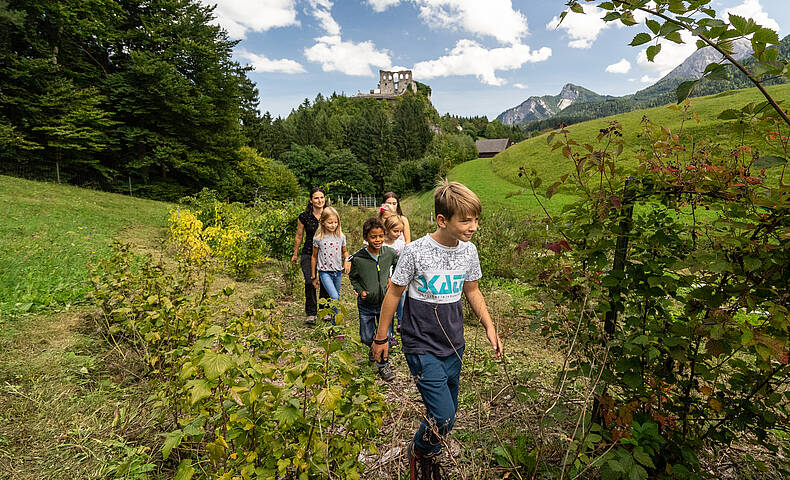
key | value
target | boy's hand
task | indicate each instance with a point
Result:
(496, 343)
(380, 352)
(364, 294)
(315, 282)
(347, 267)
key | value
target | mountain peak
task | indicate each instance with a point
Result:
(538, 108)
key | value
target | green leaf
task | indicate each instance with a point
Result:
(652, 51)
(729, 114)
(330, 397)
(701, 44)
(674, 37)
(739, 24)
(607, 6)
(653, 25)
(715, 71)
(685, 89)
(215, 364)
(611, 16)
(769, 161)
(640, 39)
(642, 457)
(172, 440)
(286, 414)
(185, 470)
(576, 8)
(766, 35)
(198, 389)
(751, 264)
(637, 472)
(628, 18)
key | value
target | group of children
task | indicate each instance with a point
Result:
(421, 282)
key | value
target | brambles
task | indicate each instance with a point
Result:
(671, 302)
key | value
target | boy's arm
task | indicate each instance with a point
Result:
(388, 307)
(478, 304)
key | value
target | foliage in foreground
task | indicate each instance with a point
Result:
(236, 399)
(669, 293)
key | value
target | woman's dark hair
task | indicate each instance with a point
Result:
(392, 195)
(310, 197)
(370, 224)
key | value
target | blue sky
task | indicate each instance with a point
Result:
(480, 57)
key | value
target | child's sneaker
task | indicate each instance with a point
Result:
(386, 373)
(393, 341)
(310, 320)
(340, 337)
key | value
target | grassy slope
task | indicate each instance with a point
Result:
(493, 179)
(50, 233)
(535, 153)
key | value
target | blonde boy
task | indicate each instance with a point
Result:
(436, 269)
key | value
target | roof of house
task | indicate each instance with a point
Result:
(494, 145)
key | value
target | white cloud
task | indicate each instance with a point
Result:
(381, 5)
(239, 17)
(494, 18)
(753, 9)
(470, 58)
(623, 66)
(267, 65)
(520, 85)
(583, 29)
(672, 54)
(322, 11)
(336, 55)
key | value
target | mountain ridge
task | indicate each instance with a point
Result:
(660, 93)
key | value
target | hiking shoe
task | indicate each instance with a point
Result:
(420, 467)
(393, 341)
(310, 320)
(386, 373)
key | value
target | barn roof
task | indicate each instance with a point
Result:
(491, 145)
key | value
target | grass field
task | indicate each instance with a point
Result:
(550, 165)
(50, 233)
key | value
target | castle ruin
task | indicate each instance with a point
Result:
(392, 84)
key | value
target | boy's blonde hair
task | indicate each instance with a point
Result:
(393, 221)
(325, 214)
(451, 198)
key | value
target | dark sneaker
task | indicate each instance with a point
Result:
(310, 320)
(386, 373)
(419, 466)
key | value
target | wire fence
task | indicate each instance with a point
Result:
(367, 201)
(55, 172)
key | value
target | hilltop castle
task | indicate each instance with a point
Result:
(392, 84)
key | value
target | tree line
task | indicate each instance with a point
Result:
(149, 90)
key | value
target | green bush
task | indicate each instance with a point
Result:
(263, 178)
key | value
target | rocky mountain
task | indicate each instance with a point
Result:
(694, 65)
(538, 108)
(663, 91)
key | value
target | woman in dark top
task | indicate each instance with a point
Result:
(306, 225)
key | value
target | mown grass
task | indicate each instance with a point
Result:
(550, 165)
(49, 234)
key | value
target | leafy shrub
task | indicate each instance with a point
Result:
(679, 302)
(452, 148)
(237, 398)
(263, 178)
